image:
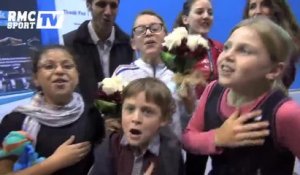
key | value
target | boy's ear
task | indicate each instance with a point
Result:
(89, 6)
(133, 44)
(184, 19)
(35, 82)
(164, 123)
(276, 71)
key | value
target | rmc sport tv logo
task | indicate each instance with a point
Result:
(32, 19)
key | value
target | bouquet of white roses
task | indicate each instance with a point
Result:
(181, 52)
(109, 96)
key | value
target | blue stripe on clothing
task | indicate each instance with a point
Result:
(122, 69)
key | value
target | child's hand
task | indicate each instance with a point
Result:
(113, 124)
(187, 94)
(187, 91)
(235, 132)
(68, 154)
(150, 169)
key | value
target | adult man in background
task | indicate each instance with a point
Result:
(100, 46)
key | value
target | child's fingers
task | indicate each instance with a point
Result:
(235, 114)
(86, 147)
(251, 142)
(246, 117)
(84, 151)
(253, 135)
(255, 126)
(149, 169)
(69, 141)
(112, 124)
(81, 145)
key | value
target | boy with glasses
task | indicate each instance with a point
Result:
(147, 37)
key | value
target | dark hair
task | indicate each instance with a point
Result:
(38, 54)
(186, 8)
(90, 1)
(155, 91)
(187, 5)
(179, 22)
(151, 13)
(282, 15)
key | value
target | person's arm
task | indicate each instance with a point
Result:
(47, 167)
(65, 155)
(194, 139)
(234, 132)
(188, 92)
(6, 165)
(189, 103)
(288, 126)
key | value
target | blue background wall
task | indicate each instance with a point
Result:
(226, 15)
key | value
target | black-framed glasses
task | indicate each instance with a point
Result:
(141, 30)
(51, 66)
(103, 4)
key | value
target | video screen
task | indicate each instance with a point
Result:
(16, 48)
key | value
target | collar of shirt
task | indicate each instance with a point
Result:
(153, 147)
(96, 40)
(159, 68)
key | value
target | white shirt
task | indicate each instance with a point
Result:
(103, 47)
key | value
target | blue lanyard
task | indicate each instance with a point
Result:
(210, 60)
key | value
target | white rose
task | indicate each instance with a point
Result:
(180, 31)
(112, 85)
(174, 38)
(193, 41)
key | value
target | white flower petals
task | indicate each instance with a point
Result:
(174, 39)
(193, 41)
(112, 85)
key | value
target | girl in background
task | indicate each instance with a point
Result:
(197, 17)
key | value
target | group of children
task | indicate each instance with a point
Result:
(245, 123)
(243, 120)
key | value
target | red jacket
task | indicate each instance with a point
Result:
(208, 65)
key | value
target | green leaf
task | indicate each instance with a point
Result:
(168, 59)
(105, 106)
